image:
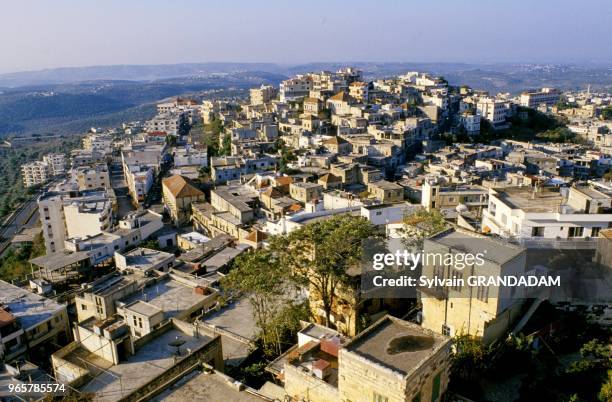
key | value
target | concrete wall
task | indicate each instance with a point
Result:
(300, 384)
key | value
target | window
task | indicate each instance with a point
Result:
(537, 231)
(83, 307)
(435, 388)
(457, 277)
(445, 331)
(482, 293)
(575, 232)
(595, 232)
(379, 398)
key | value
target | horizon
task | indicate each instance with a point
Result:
(296, 64)
(443, 31)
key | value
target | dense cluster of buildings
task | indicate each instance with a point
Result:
(319, 145)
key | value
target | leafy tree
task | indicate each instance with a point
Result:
(320, 254)
(605, 393)
(226, 149)
(262, 279)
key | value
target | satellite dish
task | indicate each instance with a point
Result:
(461, 208)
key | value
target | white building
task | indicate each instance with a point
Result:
(532, 215)
(546, 96)
(56, 162)
(63, 217)
(493, 110)
(188, 156)
(295, 88)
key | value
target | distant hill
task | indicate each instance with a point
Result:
(72, 107)
(128, 72)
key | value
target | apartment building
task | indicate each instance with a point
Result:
(92, 177)
(56, 163)
(139, 180)
(533, 215)
(546, 96)
(449, 196)
(493, 110)
(262, 95)
(484, 311)
(295, 88)
(386, 191)
(34, 173)
(188, 156)
(28, 321)
(65, 215)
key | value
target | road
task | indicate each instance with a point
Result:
(25, 216)
(121, 191)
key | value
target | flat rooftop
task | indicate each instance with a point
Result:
(143, 258)
(494, 250)
(151, 360)
(396, 344)
(545, 200)
(208, 387)
(236, 318)
(171, 296)
(60, 259)
(29, 308)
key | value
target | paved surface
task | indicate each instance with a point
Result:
(121, 191)
(25, 216)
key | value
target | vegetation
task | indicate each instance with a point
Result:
(571, 363)
(14, 264)
(606, 113)
(13, 192)
(320, 254)
(275, 314)
(524, 126)
(421, 224)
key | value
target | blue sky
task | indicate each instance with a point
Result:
(40, 34)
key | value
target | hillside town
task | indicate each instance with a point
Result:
(215, 250)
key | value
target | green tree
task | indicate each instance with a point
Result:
(320, 254)
(262, 279)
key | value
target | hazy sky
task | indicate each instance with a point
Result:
(57, 33)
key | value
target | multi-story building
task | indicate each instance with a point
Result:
(28, 321)
(360, 91)
(386, 191)
(484, 311)
(262, 95)
(65, 215)
(533, 215)
(392, 361)
(139, 180)
(93, 177)
(470, 122)
(167, 122)
(438, 196)
(179, 193)
(546, 96)
(493, 110)
(56, 162)
(295, 88)
(188, 156)
(305, 192)
(34, 173)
